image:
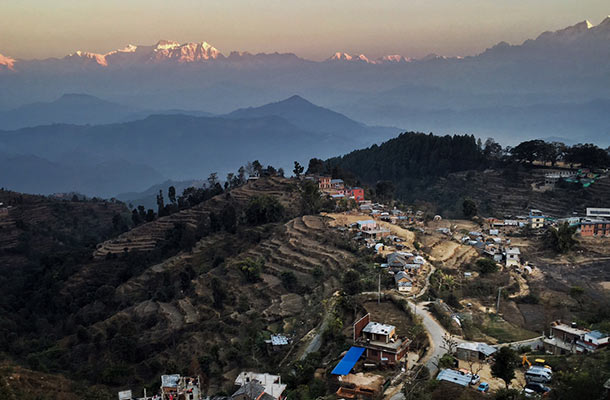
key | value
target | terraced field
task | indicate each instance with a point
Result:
(148, 236)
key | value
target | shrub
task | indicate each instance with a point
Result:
(486, 265)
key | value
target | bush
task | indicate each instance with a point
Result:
(263, 210)
(486, 265)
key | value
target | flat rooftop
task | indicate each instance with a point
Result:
(379, 329)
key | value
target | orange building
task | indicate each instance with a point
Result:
(591, 228)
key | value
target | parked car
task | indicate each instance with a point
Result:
(538, 374)
(483, 387)
(538, 388)
(475, 379)
(529, 393)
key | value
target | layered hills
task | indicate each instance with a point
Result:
(107, 159)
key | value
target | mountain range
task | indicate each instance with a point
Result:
(107, 159)
(568, 68)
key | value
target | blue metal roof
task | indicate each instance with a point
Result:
(349, 360)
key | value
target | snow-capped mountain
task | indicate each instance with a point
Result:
(164, 50)
(393, 58)
(6, 62)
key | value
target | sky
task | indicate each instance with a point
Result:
(313, 29)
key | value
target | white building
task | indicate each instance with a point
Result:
(272, 383)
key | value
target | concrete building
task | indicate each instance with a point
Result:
(380, 341)
(474, 351)
(272, 384)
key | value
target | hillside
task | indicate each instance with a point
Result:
(442, 171)
(149, 303)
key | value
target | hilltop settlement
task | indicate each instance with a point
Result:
(313, 286)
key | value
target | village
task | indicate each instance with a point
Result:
(409, 246)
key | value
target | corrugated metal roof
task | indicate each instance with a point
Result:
(451, 375)
(170, 380)
(379, 329)
(348, 361)
(279, 340)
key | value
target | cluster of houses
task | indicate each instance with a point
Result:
(584, 177)
(405, 266)
(569, 338)
(496, 248)
(596, 222)
(337, 190)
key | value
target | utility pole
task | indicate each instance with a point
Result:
(498, 303)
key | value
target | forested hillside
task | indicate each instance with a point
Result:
(442, 171)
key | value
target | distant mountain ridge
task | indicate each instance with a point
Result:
(78, 109)
(178, 146)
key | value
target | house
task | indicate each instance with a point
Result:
(176, 386)
(272, 385)
(337, 184)
(251, 391)
(376, 234)
(595, 228)
(458, 377)
(396, 260)
(598, 212)
(564, 338)
(536, 219)
(357, 193)
(360, 386)
(513, 256)
(366, 225)
(324, 182)
(278, 342)
(593, 340)
(380, 341)
(474, 351)
(403, 282)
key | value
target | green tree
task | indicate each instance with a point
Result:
(135, 217)
(505, 363)
(311, 198)
(171, 194)
(469, 208)
(251, 269)
(351, 282)
(263, 210)
(229, 218)
(150, 215)
(298, 169)
(385, 190)
(289, 280)
(486, 265)
(316, 166)
(561, 239)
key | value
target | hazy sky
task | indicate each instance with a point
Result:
(310, 28)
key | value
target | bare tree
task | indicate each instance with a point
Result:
(449, 343)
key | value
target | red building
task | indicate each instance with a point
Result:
(357, 193)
